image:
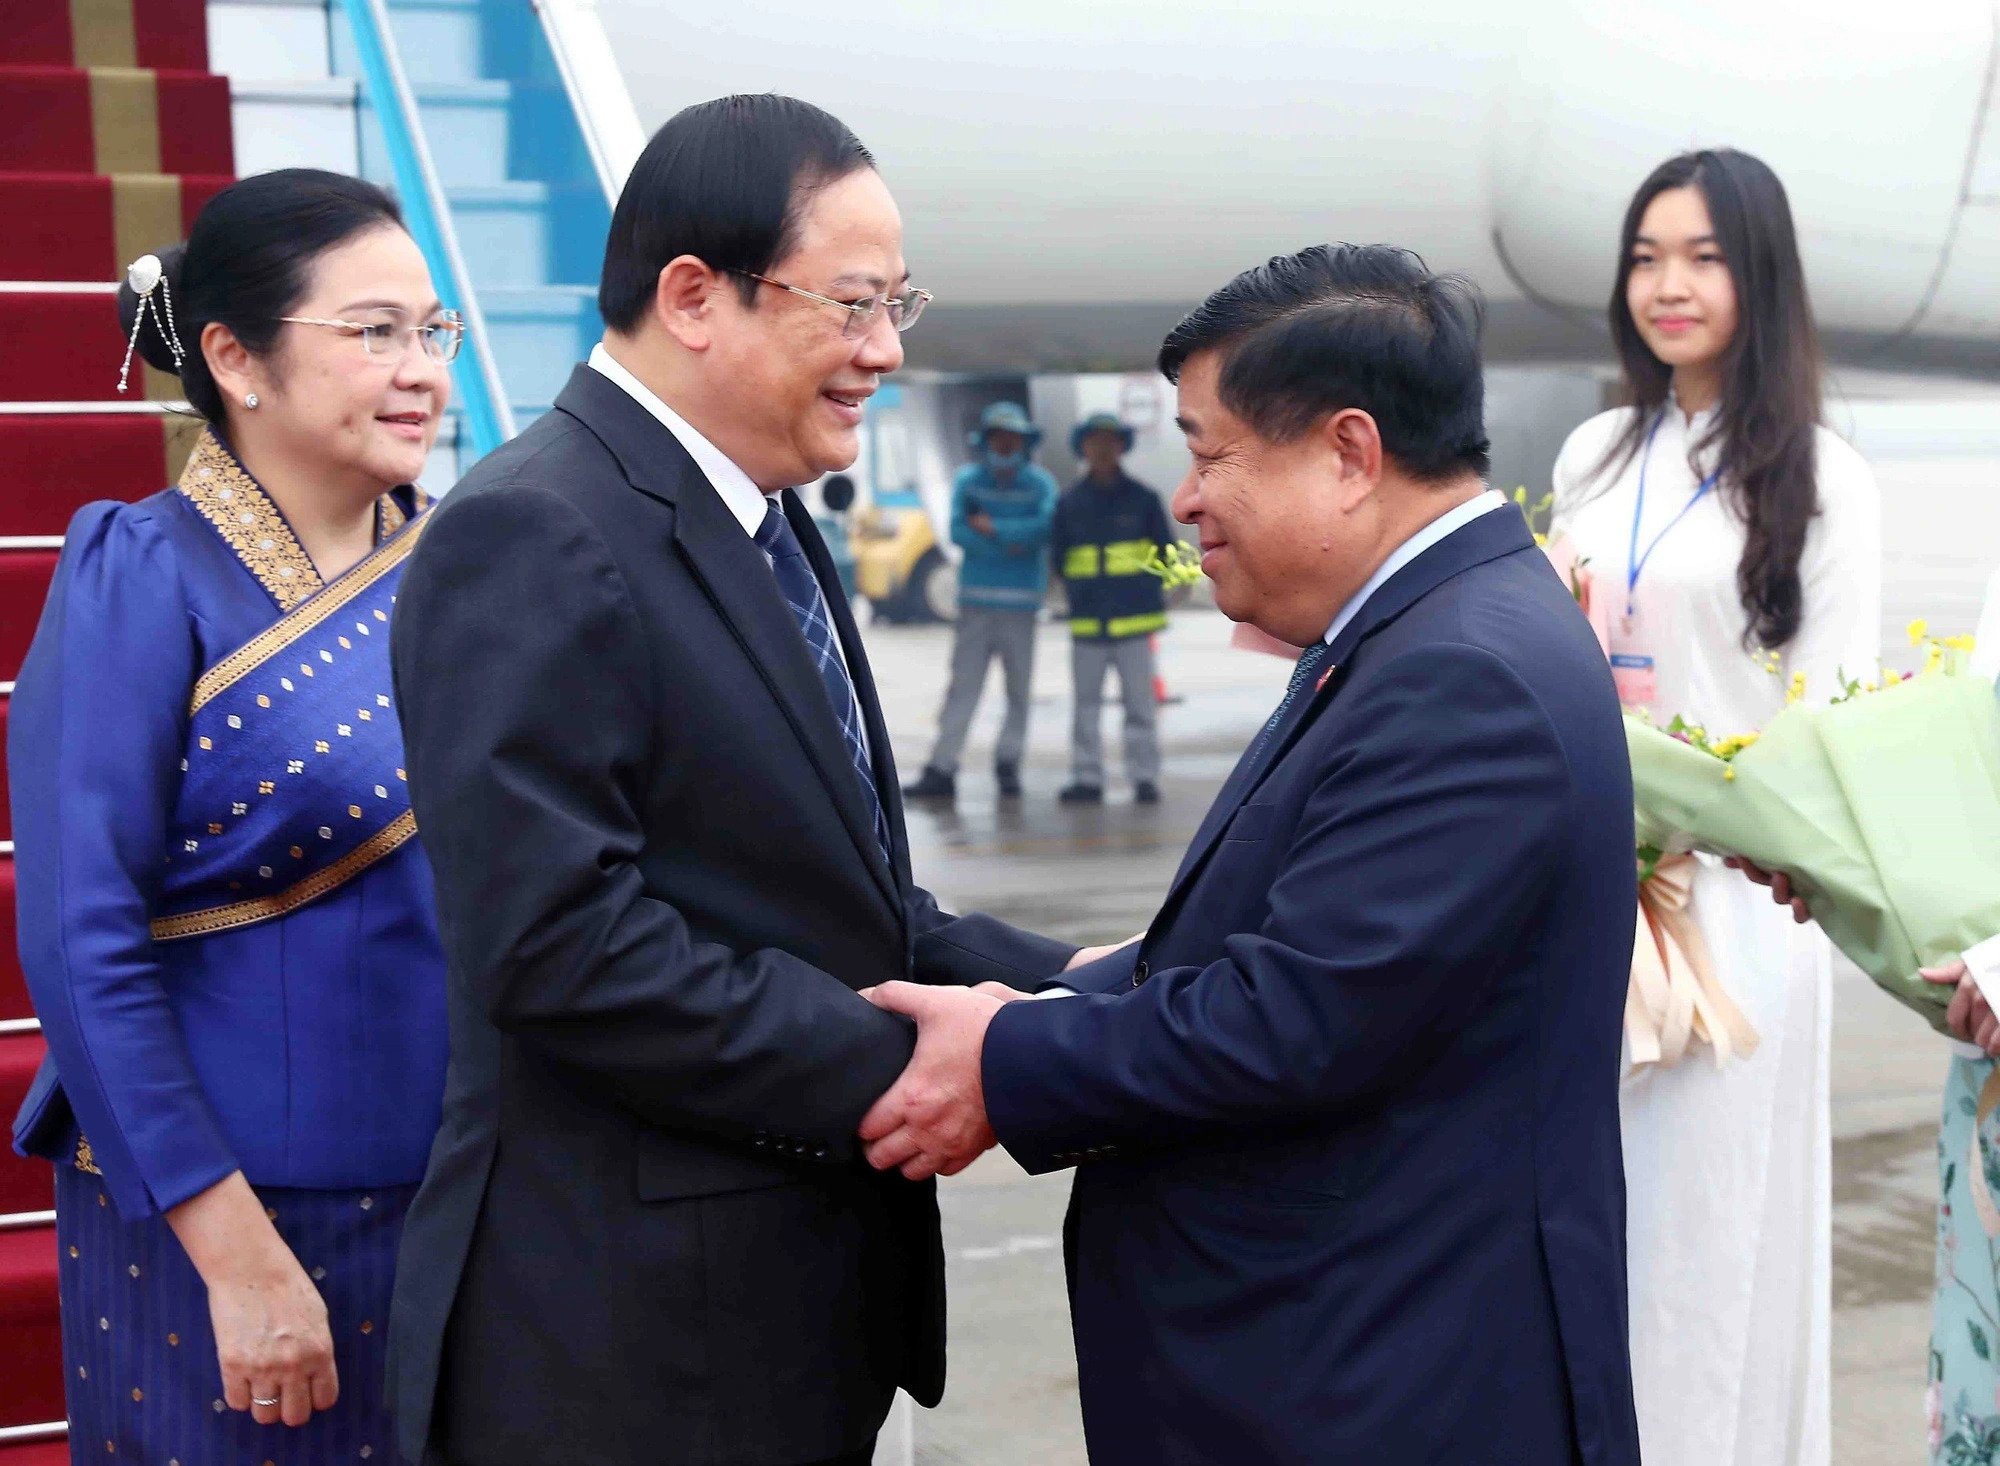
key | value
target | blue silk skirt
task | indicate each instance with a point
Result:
(144, 1388)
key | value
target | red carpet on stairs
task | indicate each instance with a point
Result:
(113, 134)
(65, 347)
(30, 1336)
(25, 1185)
(82, 226)
(40, 1453)
(14, 1002)
(24, 585)
(55, 469)
(170, 33)
(56, 119)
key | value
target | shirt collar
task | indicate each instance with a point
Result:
(745, 500)
(1445, 524)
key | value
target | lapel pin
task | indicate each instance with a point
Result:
(1322, 679)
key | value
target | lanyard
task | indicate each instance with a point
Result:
(1634, 561)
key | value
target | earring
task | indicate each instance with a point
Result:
(250, 401)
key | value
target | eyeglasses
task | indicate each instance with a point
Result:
(390, 340)
(903, 309)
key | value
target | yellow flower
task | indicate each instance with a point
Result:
(1934, 658)
(1729, 776)
(1797, 691)
(1917, 630)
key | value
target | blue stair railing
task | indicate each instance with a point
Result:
(505, 138)
(482, 402)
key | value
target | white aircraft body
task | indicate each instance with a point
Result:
(1075, 172)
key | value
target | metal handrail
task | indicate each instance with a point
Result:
(598, 96)
(22, 1221)
(20, 1025)
(14, 1435)
(428, 213)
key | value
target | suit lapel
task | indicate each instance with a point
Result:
(734, 573)
(1488, 537)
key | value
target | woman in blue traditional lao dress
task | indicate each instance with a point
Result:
(225, 918)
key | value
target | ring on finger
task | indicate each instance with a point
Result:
(270, 1404)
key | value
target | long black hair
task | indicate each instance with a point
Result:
(246, 263)
(1763, 434)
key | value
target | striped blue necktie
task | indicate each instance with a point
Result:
(808, 602)
(1309, 662)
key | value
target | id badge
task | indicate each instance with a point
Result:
(1632, 665)
(1638, 683)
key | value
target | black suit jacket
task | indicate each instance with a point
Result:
(646, 1231)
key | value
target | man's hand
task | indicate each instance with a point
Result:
(1091, 954)
(1778, 881)
(1969, 1018)
(932, 1120)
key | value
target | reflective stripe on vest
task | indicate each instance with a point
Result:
(1128, 557)
(1080, 563)
(1123, 626)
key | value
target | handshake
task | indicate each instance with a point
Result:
(932, 1120)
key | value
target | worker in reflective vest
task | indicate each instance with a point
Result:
(1107, 528)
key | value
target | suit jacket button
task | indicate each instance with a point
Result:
(1140, 973)
(821, 1152)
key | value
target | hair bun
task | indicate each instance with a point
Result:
(161, 273)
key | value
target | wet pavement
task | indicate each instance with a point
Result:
(1096, 874)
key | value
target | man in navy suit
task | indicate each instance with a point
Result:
(1345, 1119)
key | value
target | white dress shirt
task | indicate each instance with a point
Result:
(745, 501)
(1445, 524)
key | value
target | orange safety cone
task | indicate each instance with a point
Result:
(1160, 693)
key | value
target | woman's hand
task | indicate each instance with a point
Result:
(1969, 1017)
(271, 1336)
(1778, 881)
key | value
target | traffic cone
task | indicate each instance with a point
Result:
(1160, 693)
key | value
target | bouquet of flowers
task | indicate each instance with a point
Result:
(1883, 807)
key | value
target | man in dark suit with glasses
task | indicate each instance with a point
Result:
(651, 770)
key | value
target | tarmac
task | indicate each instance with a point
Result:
(1094, 874)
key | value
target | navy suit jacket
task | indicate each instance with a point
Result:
(1349, 1186)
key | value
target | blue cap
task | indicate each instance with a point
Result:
(1004, 417)
(1099, 422)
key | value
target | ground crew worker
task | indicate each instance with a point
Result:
(1106, 530)
(1001, 506)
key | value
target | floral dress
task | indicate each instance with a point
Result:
(1964, 1395)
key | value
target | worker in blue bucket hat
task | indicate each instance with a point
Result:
(1001, 508)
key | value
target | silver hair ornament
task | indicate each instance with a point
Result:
(145, 275)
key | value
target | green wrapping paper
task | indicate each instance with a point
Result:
(1884, 810)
